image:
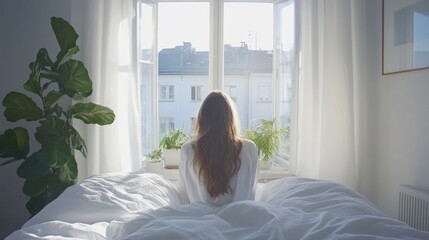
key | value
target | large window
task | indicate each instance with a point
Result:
(187, 49)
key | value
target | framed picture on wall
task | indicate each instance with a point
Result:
(405, 35)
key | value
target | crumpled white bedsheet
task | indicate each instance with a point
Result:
(147, 206)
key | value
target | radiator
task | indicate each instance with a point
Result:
(414, 207)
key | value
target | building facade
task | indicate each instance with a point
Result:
(183, 83)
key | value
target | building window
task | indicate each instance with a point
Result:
(231, 91)
(264, 93)
(166, 93)
(196, 93)
(193, 124)
(165, 124)
(203, 44)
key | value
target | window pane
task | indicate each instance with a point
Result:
(183, 58)
(171, 92)
(163, 93)
(248, 55)
(285, 64)
(165, 124)
(146, 79)
(146, 75)
(146, 32)
(193, 93)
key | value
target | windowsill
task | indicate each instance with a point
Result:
(263, 176)
(268, 175)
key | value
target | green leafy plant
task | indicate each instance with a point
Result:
(174, 139)
(266, 137)
(53, 168)
(155, 155)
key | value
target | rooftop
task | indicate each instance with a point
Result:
(184, 60)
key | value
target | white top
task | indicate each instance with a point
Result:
(243, 184)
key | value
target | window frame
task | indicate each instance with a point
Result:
(216, 59)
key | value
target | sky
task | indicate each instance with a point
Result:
(189, 22)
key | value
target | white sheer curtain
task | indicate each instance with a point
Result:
(331, 98)
(106, 36)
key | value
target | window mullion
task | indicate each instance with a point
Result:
(155, 118)
(216, 67)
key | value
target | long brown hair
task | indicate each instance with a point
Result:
(218, 144)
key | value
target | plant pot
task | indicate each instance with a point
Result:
(171, 158)
(264, 165)
(154, 166)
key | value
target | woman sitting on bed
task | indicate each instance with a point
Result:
(218, 167)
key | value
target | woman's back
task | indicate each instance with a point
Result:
(218, 166)
(242, 184)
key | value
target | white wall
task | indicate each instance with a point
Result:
(398, 127)
(25, 27)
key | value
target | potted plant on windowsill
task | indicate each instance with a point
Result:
(154, 161)
(171, 143)
(266, 137)
(53, 168)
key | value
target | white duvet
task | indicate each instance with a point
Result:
(146, 206)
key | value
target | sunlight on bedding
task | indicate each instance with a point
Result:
(147, 206)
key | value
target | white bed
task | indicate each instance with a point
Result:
(146, 206)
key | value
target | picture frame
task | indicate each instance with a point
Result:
(405, 35)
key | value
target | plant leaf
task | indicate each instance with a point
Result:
(51, 130)
(92, 113)
(52, 97)
(51, 75)
(65, 34)
(54, 154)
(35, 66)
(56, 187)
(58, 110)
(266, 137)
(32, 168)
(53, 136)
(35, 204)
(34, 186)
(74, 79)
(77, 141)
(33, 83)
(71, 51)
(67, 172)
(14, 143)
(43, 58)
(173, 139)
(20, 106)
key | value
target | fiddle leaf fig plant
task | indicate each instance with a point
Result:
(53, 168)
